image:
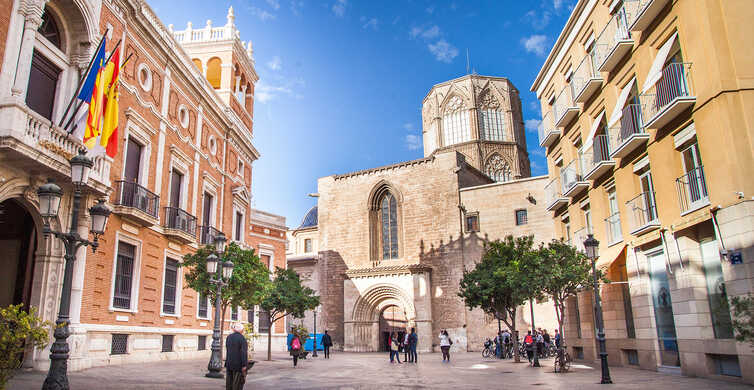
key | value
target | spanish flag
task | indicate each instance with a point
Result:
(96, 105)
(109, 136)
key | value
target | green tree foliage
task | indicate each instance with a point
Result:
(18, 330)
(286, 295)
(301, 331)
(507, 276)
(743, 321)
(245, 288)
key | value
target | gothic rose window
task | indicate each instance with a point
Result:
(389, 226)
(455, 123)
(497, 169)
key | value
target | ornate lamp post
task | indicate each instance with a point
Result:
(222, 272)
(316, 309)
(591, 245)
(49, 205)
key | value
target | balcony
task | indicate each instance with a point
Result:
(627, 134)
(585, 80)
(180, 225)
(565, 109)
(573, 183)
(136, 203)
(32, 143)
(643, 212)
(579, 236)
(595, 160)
(641, 13)
(612, 225)
(553, 196)
(547, 132)
(613, 43)
(670, 96)
(207, 235)
(692, 190)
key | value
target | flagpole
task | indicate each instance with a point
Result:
(81, 80)
(68, 124)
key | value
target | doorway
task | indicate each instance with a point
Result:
(18, 245)
(392, 319)
(663, 308)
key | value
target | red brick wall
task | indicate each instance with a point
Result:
(6, 7)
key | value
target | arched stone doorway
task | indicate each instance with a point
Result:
(376, 312)
(392, 319)
(18, 244)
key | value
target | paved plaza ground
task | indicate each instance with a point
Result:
(371, 371)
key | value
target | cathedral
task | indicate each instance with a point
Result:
(386, 247)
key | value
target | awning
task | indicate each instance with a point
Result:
(618, 110)
(593, 131)
(609, 255)
(655, 72)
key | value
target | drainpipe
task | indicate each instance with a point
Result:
(713, 211)
(677, 248)
(667, 255)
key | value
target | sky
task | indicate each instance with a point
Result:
(342, 81)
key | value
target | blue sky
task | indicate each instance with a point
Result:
(342, 81)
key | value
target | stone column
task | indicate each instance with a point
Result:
(32, 13)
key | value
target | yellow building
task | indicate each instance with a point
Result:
(647, 117)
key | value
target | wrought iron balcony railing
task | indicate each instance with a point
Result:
(553, 195)
(564, 109)
(643, 211)
(207, 235)
(669, 96)
(614, 232)
(547, 131)
(613, 42)
(130, 194)
(627, 134)
(570, 177)
(585, 80)
(595, 159)
(692, 190)
(180, 220)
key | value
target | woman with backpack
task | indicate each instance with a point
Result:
(529, 343)
(295, 347)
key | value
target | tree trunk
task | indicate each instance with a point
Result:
(269, 340)
(516, 357)
(560, 312)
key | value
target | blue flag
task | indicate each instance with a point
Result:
(91, 78)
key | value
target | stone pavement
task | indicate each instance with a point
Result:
(371, 371)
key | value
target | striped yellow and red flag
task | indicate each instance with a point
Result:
(109, 136)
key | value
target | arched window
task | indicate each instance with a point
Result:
(385, 235)
(455, 123)
(214, 66)
(498, 169)
(49, 29)
(198, 64)
(389, 226)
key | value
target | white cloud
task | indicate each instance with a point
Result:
(263, 15)
(371, 23)
(538, 21)
(428, 33)
(443, 51)
(413, 141)
(535, 44)
(339, 8)
(265, 92)
(532, 124)
(534, 105)
(538, 151)
(275, 4)
(557, 3)
(275, 63)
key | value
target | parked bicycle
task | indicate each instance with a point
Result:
(562, 362)
(489, 349)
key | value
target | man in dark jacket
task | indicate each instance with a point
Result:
(236, 359)
(413, 339)
(326, 344)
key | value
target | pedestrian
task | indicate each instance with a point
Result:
(506, 343)
(540, 344)
(548, 340)
(236, 358)
(413, 339)
(395, 346)
(404, 346)
(498, 346)
(295, 347)
(445, 343)
(557, 338)
(529, 344)
(326, 344)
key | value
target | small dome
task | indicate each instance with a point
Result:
(310, 220)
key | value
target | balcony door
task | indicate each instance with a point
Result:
(207, 219)
(663, 308)
(692, 166)
(650, 208)
(43, 83)
(133, 161)
(176, 182)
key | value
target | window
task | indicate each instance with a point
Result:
(389, 226)
(472, 222)
(632, 356)
(521, 217)
(234, 313)
(455, 123)
(693, 185)
(49, 29)
(240, 168)
(577, 316)
(119, 344)
(716, 294)
(307, 245)
(588, 219)
(176, 182)
(167, 342)
(266, 260)
(264, 321)
(498, 169)
(201, 343)
(647, 189)
(203, 305)
(491, 124)
(238, 231)
(124, 275)
(43, 83)
(613, 220)
(578, 352)
(170, 290)
(567, 229)
(726, 365)
(250, 315)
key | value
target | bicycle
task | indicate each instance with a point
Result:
(563, 363)
(488, 350)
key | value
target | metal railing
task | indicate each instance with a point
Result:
(131, 194)
(614, 233)
(207, 235)
(546, 126)
(584, 73)
(553, 191)
(634, 9)
(643, 210)
(692, 190)
(570, 175)
(630, 124)
(563, 103)
(595, 154)
(179, 219)
(673, 84)
(614, 32)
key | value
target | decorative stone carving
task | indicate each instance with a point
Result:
(488, 100)
(497, 168)
(454, 104)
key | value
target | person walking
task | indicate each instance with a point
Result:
(548, 340)
(557, 339)
(395, 346)
(404, 346)
(413, 339)
(295, 347)
(506, 343)
(445, 343)
(529, 344)
(236, 358)
(326, 344)
(498, 345)
(540, 344)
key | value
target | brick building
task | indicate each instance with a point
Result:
(386, 247)
(183, 173)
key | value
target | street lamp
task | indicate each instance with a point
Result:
(222, 272)
(50, 195)
(316, 309)
(591, 245)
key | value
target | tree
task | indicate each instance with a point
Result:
(286, 295)
(743, 321)
(567, 270)
(18, 330)
(502, 281)
(245, 288)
